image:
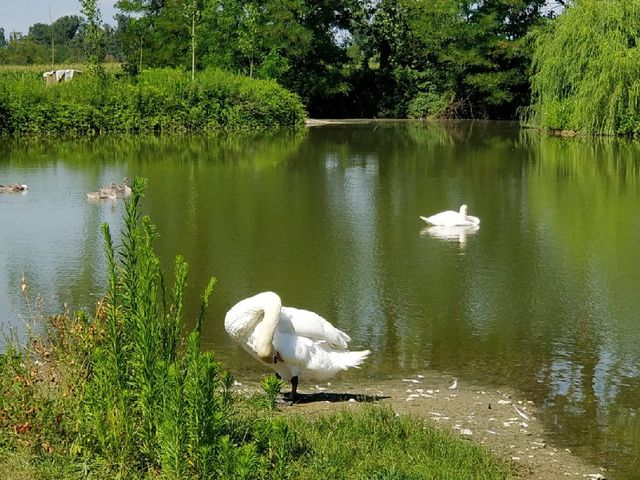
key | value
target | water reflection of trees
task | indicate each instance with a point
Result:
(593, 372)
(81, 151)
(67, 169)
(552, 316)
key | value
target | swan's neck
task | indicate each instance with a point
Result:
(266, 329)
(463, 210)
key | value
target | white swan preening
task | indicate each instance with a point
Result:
(297, 344)
(452, 218)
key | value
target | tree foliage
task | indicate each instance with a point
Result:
(161, 100)
(470, 56)
(586, 69)
(69, 37)
(373, 58)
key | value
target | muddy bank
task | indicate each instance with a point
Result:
(499, 419)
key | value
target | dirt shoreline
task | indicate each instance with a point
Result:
(499, 419)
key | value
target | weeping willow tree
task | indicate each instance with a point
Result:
(586, 70)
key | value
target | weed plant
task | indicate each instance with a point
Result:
(156, 101)
(150, 403)
(272, 387)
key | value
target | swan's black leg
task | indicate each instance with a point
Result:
(294, 388)
(278, 376)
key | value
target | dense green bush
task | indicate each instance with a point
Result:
(428, 104)
(157, 101)
(586, 70)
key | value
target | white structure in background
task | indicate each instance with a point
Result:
(57, 76)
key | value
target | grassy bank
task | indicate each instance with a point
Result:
(124, 394)
(154, 101)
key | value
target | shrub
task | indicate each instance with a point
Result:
(428, 104)
(161, 100)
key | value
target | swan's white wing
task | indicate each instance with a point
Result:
(312, 360)
(448, 218)
(312, 326)
(293, 349)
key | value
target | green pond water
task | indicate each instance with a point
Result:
(544, 297)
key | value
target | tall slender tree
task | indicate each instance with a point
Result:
(193, 11)
(93, 35)
(249, 35)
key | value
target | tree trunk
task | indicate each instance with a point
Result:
(193, 47)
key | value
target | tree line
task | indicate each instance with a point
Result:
(360, 58)
(61, 42)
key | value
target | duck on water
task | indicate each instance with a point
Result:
(13, 188)
(113, 191)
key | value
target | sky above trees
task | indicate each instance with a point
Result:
(20, 15)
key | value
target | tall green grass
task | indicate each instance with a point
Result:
(586, 70)
(156, 101)
(151, 403)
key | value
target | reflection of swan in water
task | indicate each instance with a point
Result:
(297, 344)
(452, 218)
(458, 233)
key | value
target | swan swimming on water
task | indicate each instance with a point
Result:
(452, 218)
(297, 344)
